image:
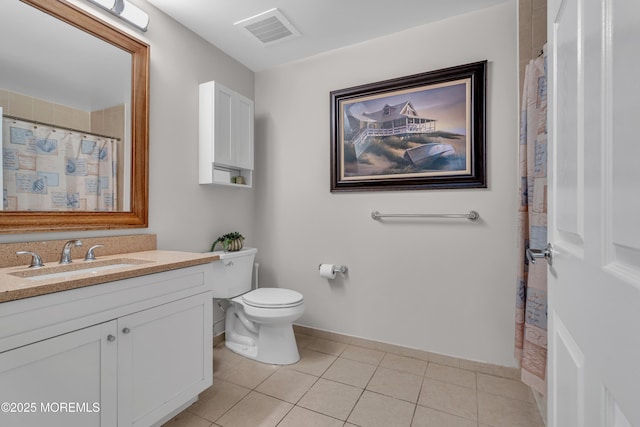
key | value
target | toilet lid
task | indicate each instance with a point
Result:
(272, 298)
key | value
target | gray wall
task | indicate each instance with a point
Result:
(441, 286)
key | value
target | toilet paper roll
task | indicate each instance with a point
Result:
(328, 271)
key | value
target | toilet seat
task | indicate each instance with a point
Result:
(272, 298)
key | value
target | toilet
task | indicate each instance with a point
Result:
(259, 322)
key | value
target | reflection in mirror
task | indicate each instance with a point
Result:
(65, 115)
(73, 94)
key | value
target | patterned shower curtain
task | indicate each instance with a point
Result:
(52, 169)
(531, 304)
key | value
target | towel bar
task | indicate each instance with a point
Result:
(471, 215)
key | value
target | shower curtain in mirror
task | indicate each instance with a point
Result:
(52, 169)
(531, 304)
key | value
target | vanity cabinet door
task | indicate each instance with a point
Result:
(164, 359)
(66, 381)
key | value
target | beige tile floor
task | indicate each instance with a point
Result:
(338, 384)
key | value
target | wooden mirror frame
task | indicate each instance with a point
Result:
(137, 216)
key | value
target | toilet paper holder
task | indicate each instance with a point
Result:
(338, 268)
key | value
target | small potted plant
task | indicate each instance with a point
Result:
(231, 242)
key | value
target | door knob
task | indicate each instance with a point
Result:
(111, 338)
(547, 254)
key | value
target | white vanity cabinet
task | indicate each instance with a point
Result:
(226, 135)
(128, 353)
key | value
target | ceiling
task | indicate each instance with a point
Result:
(324, 24)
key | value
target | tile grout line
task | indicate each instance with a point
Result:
(288, 412)
(195, 415)
(230, 408)
(477, 421)
(294, 405)
(363, 389)
(305, 393)
(354, 406)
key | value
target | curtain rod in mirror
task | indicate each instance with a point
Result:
(51, 125)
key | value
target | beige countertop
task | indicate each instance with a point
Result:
(15, 283)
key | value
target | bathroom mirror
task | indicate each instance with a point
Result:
(65, 72)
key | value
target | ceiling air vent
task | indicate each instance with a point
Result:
(269, 27)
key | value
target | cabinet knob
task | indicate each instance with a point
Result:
(126, 330)
(111, 338)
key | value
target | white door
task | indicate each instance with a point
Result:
(594, 207)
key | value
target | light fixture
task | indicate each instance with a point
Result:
(126, 11)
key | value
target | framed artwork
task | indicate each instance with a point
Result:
(420, 132)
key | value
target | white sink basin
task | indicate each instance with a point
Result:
(77, 269)
(94, 270)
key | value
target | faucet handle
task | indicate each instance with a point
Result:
(90, 256)
(36, 261)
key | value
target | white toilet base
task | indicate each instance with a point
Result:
(274, 343)
(280, 350)
(241, 349)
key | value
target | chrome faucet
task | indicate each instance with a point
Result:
(65, 257)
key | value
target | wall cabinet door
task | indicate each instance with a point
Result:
(223, 124)
(244, 132)
(164, 359)
(66, 381)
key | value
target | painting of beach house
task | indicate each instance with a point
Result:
(421, 132)
(399, 119)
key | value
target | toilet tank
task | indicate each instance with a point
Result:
(232, 274)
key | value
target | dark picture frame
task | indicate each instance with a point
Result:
(419, 132)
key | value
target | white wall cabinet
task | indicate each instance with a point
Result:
(139, 355)
(226, 135)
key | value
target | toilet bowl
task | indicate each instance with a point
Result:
(259, 322)
(258, 325)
